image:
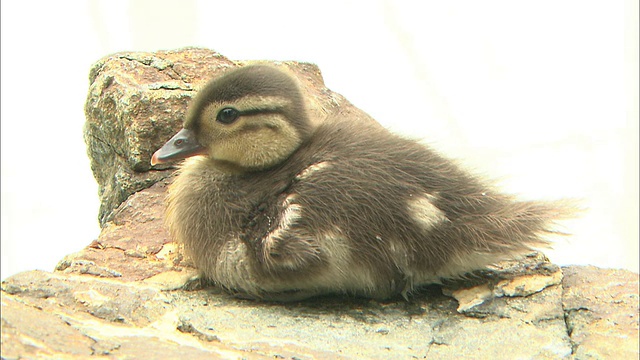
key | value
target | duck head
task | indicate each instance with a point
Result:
(249, 119)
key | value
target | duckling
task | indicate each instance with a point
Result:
(278, 207)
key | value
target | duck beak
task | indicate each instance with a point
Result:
(182, 145)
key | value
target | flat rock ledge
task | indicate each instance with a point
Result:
(131, 294)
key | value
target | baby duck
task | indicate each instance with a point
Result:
(280, 209)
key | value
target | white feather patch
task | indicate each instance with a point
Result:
(290, 216)
(424, 212)
(311, 169)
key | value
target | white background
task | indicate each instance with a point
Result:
(542, 95)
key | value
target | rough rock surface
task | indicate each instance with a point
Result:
(131, 293)
(601, 311)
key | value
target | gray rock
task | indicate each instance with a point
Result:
(67, 315)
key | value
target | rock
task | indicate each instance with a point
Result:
(468, 298)
(134, 245)
(71, 315)
(601, 309)
(132, 294)
(521, 277)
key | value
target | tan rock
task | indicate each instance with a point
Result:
(469, 298)
(526, 284)
(602, 312)
(134, 245)
(29, 332)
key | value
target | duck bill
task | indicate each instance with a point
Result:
(182, 145)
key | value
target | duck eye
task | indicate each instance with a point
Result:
(227, 115)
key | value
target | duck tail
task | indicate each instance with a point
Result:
(505, 230)
(526, 225)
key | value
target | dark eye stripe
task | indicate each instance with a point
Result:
(251, 112)
(229, 115)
